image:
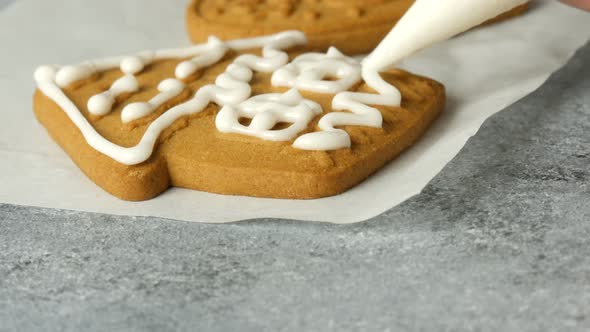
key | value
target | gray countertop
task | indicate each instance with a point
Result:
(499, 241)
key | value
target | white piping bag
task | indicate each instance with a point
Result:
(431, 21)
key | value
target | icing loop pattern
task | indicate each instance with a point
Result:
(266, 111)
(311, 71)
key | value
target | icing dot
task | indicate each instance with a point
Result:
(45, 73)
(135, 111)
(170, 84)
(127, 83)
(132, 65)
(169, 88)
(323, 140)
(217, 50)
(100, 104)
(185, 69)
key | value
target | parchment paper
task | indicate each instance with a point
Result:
(484, 70)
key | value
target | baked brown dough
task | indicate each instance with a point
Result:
(192, 153)
(354, 27)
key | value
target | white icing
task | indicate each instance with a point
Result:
(46, 73)
(230, 88)
(217, 50)
(128, 65)
(331, 138)
(273, 59)
(311, 70)
(431, 21)
(324, 73)
(135, 63)
(266, 111)
(168, 88)
(69, 74)
(102, 103)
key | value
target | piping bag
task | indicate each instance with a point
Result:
(428, 22)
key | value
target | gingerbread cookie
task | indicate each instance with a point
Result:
(242, 117)
(354, 27)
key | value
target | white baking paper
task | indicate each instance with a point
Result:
(484, 70)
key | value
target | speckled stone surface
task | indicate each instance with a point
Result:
(499, 241)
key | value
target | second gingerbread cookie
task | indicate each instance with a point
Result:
(355, 27)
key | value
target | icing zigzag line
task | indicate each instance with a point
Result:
(331, 138)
